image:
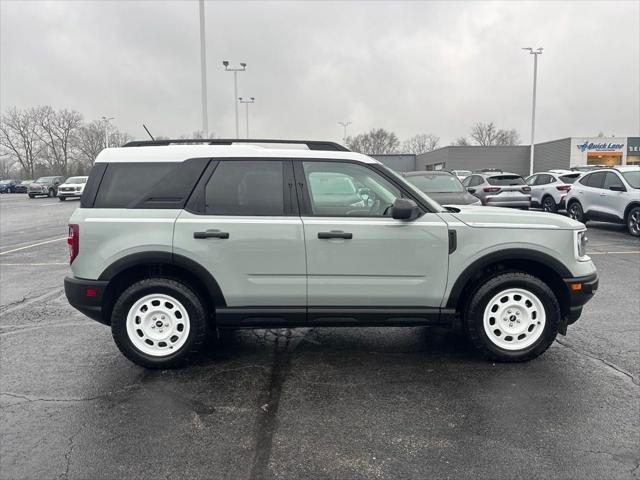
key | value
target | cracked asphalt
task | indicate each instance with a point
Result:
(308, 403)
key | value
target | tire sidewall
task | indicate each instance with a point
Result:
(634, 209)
(177, 290)
(552, 204)
(581, 211)
(474, 317)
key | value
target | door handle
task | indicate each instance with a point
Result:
(211, 234)
(335, 234)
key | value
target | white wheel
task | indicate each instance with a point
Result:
(514, 319)
(158, 325)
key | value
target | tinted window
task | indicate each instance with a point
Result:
(475, 181)
(372, 195)
(124, 183)
(545, 179)
(246, 187)
(569, 178)
(595, 180)
(505, 180)
(612, 180)
(436, 183)
(632, 178)
(532, 179)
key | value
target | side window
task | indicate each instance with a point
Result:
(246, 187)
(339, 189)
(543, 179)
(532, 180)
(596, 180)
(466, 181)
(123, 183)
(612, 180)
(476, 180)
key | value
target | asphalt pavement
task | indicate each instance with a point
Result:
(394, 403)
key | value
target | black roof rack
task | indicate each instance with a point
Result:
(311, 144)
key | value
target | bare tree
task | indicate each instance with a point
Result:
(58, 131)
(461, 142)
(19, 138)
(6, 164)
(423, 142)
(90, 142)
(376, 141)
(487, 134)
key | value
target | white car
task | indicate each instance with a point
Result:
(461, 174)
(608, 195)
(72, 188)
(549, 189)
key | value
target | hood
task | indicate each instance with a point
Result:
(453, 198)
(496, 217)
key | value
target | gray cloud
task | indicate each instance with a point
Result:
(409, 67)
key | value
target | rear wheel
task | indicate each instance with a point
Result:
(51, 193)
(633, 221)
(575, 212)
(159, 323)
(549, 205)
(32, 196)
(513, 317)
(62, 199)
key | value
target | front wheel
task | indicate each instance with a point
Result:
(62, 199)
(159, 323)
(575, 212)
(513, 317)
(633, 222)
(32, 196)
(51, 193)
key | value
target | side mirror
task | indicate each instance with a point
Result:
(405, 209)
(471, 190)
(618, 188)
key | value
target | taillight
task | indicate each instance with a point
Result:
(526, 189)
(74, 241)
(491, 189)
(564, 188)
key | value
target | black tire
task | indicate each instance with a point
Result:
(633, 221)
(32, 196)
(198, 319)
(62, 199)
(574, 211)
(474, 314)
(51, 193)
(549, 204)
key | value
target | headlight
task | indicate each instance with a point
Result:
(581, 241)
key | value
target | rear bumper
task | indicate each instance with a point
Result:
(581, 290)
(86, 297)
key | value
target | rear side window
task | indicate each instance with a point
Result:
(246, 187)
(569, 178)
(505, 180)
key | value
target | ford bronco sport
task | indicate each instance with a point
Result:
(173, 240)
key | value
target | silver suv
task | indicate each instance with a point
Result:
(549, 189)
(607, 195)
(499, 189)
(172, 241)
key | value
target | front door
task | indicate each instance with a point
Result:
(357, 254)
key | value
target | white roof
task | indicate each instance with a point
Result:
(179, 153)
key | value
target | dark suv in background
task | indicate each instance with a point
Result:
(47, 186)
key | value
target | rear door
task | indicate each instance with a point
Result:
(243, 226)
(589, 195)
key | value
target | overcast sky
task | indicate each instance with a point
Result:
(409, 67)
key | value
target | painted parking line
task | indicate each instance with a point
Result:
(47, 204)
(33, 245)
(615, 253)
(31, 264)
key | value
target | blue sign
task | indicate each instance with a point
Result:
(600, 147)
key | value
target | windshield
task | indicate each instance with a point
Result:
(506, 180)
(45, 180)
(632, 178)
(4, 182)
(77, 180)
(436, 183)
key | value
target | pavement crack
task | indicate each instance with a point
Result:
(67, 456)
(612, 366)
(31, 399)
(26, 301)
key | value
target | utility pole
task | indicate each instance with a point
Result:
(535, 54)
(203, 71)
(106, 121)
(247, 102)
(235, 70)
(344, 128)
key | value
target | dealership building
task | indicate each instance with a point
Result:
(564, 153)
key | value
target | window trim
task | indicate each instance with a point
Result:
(304, 198)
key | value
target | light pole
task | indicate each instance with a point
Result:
(235, 70)
(106, 121)
(247, 101)
(344, 128)
(535, 54)
(203, 71)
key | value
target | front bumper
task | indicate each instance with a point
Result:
(73, 194)
(86, 297)
(581, 290)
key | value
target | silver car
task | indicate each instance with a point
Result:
(549, 189)
(607, 195)
(499, 189)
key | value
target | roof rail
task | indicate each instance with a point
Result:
(311, 144)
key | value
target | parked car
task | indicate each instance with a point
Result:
(607, 195)
(499, 189)
(47, 186)
(488, 170)
(8, 186)
(588, 168)
(549, 190)
(172, 242)
(443, 187)
(461, 174)
(23, 186)
(72, 188)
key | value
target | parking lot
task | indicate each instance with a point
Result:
(323, 403)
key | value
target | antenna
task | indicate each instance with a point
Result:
(148, 132)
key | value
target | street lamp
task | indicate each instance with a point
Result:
(203, 73)
(344, 127)
(106, 121)
(247, 101)
(535, 54)
(235, 70)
